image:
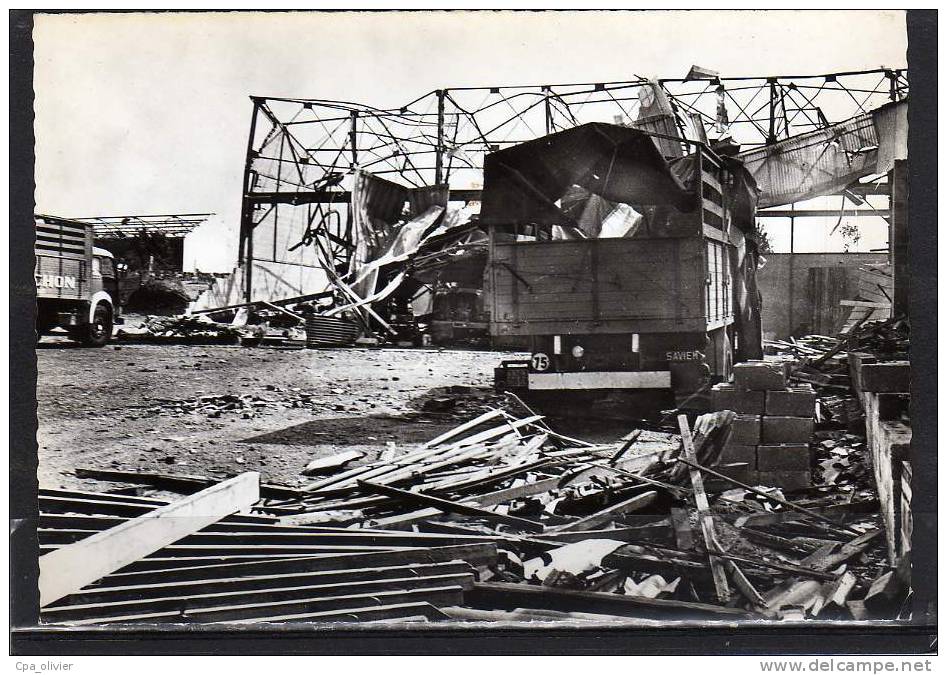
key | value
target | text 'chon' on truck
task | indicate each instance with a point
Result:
(624, 268)
(76, 282)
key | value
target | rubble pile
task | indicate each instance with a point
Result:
(768, 508)
(551, 528)
(214, 405)
(187, 329)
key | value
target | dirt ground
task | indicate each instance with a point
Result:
(120, 407)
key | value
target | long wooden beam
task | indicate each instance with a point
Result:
(200, 599)
(209, 569)
(71, 567)
(513, 596)
(821, 213)
(609, 513)
(704, 517)
(168, 589)
(452, 507)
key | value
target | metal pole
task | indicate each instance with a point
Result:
(792, 266)
(772, 112)
(548, 107)
(353, 136)
(893, 85)
(245, 255)
(246, 206)
(439, 152)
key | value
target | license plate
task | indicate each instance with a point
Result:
(517, 377)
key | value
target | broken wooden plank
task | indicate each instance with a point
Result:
(781, 567)
(194, 599)
(332, 462)
(484, 478)
(809, 512)
(209, 569)
(446, 595)
(657, 530)
(452, 507)
(626, 446)
(609, 513)
(704, 517)
(744, 586)
(826, 560)
(496, 431)
(71, 567)
(488, 595)
(177, 483)
(796, 593)
(764, 518)
(837, 592)
(683, 534)
(168, 589)
(408, 611)
(404, 520)
(466, 426)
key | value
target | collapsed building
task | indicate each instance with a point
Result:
(625, 254)
(330, 185)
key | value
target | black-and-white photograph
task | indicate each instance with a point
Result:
(473, 318)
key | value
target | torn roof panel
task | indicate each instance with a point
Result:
(827, 160)
(620, 164)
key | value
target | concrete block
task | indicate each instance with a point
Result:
(787, 480)
(891, 376)
(727, 397)
(745, 430)
(782, 429)
(855, 362)
(891, 406)
(791, 402)
(735, 453)
(737, 470)
(759, 375)
(783, 457)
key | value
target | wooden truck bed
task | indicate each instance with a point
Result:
(598, 286)
(63, 250)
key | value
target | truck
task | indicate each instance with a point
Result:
(76, 282)
(658, 309)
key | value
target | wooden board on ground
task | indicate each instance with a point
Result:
(71, 567)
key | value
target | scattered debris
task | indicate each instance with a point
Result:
(501, 516)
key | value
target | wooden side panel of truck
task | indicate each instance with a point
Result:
(597, 286)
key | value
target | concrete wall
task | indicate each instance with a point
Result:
(801, 291)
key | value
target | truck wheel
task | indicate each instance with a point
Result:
(97, 333)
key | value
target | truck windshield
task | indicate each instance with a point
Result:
(104, 266)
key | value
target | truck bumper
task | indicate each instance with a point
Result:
(646, 379)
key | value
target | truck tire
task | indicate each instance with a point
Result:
(97, 333)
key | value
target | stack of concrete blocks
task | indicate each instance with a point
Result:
(884, 390)
(773, 426)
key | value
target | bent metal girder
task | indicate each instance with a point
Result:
(302, 153)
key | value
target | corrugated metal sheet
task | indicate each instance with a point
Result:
(376, 205)
(813, 164)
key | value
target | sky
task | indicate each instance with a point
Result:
(149, 113)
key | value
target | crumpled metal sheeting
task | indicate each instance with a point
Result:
(826, 161)
(618, 163)
(891, 125)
